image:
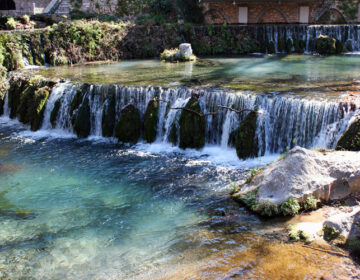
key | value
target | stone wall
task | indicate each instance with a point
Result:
(26, 7)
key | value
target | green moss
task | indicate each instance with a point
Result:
(245, 143)
(26, 98)
(326, 45)
(37, 107)
(78, 98)
(17, 86)
(281, 45)
(290, 207)
(151, 121)
(266, 209)
(37, 49)
(108, 116)
(354, 244)
(55, 112)
(192, 126)
(350, 140)
(332, 234)
(127, 129)
(310, 203)
(82, 124)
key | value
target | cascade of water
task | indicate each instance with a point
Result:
(283, 121)
(56, 93)
(6, 106)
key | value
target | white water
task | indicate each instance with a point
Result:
(283, 122)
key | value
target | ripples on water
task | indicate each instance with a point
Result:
(80, 209)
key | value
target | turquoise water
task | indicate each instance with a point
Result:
(93, 209)
(278, 71)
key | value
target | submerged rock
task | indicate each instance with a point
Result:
(350, 140)
(128, 127)
(326, 45)
(151, 121)
(192, 126)
(303, 175)
(244, 137)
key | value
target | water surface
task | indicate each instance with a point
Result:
(94, 209)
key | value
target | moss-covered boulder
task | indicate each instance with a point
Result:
(151, 121)
(32, 104)
(37, 107)
(325, 45)
(192, 126)
(55, 112)
(4, 86)
(108, 116)
(350, 140)
(127, 129)
(244, 137)
(78, 98)
(173, 136)
(17, 86)
(82, 124)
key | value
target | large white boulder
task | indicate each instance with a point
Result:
(325, 175)
(185, 50)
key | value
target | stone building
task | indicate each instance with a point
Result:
(274, 11)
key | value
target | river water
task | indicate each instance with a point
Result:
(96, 209)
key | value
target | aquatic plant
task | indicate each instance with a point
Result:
(244, 136)
(310, 202)
(290, 207)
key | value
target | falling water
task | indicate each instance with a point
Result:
(283, 121)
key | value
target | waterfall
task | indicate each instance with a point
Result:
(6, 112)
(283, 121)
(306, 35)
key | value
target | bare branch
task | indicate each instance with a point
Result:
(210, 113)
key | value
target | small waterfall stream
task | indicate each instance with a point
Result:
(283, 121)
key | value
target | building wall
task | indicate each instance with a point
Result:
(260, 12)
(27, 7)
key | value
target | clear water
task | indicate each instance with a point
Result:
(259, 73)
(91, 209)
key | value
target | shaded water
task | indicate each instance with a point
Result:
(79, 209)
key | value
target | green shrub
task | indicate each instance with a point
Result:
(290, 207)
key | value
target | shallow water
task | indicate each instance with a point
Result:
(92, 209)
(257, 73)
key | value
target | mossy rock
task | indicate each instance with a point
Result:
(289, 45)
(192, 126)
(151, 121)
(55, 112)
(271, 47)
(4, 86)
(37, 108)
(78, 98)
(37, 49)
(127, 129)
(173, 136)
(281, 45)
(245, 143)
(340, 47)
(3, 73)
(17, 86)
(82, 124)
(326, 45)
(108, 116)
(350, 140)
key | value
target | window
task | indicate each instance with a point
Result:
(243, 14)
(304, 14)
(7, 5)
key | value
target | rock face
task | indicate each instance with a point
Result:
(151, 121)
(291, 180)
(350, 140)
(185, 50)
(244, 137)
(326, 45)
(192, 126)
(128, 127)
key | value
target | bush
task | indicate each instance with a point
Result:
(161, 6)
(290, 207)
(11, 23)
